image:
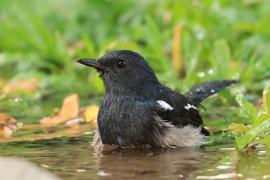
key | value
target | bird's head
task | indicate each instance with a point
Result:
(122, 69)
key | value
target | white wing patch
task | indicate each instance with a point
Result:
(165, 105)
(189, 106)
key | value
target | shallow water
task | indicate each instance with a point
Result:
(74, 158)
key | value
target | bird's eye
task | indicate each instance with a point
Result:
(121, 64)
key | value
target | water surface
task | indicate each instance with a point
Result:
(75, 158)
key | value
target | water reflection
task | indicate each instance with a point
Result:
(74, 158)
(149, 163)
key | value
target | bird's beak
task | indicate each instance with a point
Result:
(92, 63)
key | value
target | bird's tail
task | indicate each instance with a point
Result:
(200, 92)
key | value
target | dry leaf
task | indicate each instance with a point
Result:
(7, 120)
(7, 132)
(91, 114)
(7, 125)
(69, 110)
(177, 58)
(75, 121)
(26, 85)
(234, 127)
(2, 132)
(68, 132)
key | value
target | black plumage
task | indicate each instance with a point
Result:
(138, 110)
(201, 91)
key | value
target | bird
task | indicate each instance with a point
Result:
(137, 110)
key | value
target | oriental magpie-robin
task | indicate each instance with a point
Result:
(137, 110)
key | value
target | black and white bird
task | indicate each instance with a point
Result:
(137, 110)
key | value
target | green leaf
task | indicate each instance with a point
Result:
(222, 51)
(266, 141)
(222, 55)
(262, 116)
(250, 136)
(266, 98)
(247, 109)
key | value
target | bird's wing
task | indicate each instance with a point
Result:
(184, 112)
(163, 132)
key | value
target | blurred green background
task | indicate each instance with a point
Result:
(225, 39)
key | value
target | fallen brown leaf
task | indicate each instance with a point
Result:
(7, 132)
(177, 59)
(68, 132)
(2, 135)
(26, 85)
(75, 121)
(69, 110)
(91, 114)
(234, 127)
(7, 125)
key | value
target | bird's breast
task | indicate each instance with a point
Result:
(121, 122)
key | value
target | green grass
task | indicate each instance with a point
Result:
(260, 125)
